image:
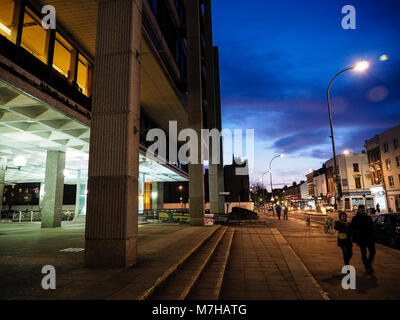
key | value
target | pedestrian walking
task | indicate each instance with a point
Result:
(278, 211)
(378, 208)
(362, 229)
(285, 213)
(344, 237)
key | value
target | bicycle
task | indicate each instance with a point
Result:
(329, 225)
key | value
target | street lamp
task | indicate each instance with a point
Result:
(270, 172)
(262, 181)
(360, 67)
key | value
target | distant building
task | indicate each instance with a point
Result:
(355, 181)
(304, 191)
(384, 166)
(317, 187)
(237, 185)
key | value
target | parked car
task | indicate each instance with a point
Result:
(387, 229)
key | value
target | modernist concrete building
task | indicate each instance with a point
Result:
(384, 166)
(77, 102)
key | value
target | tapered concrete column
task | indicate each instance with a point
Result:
(195, 113)
(211, 109)
(81, 187)
(53, 190)
(112, 204)
(2, 183)
(220, 169)
(78, 192)
(154, 195)
(160, 198)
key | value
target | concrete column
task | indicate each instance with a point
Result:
(78, 192)
(211, 109)
(195, 112)
(112, 204)
(2, 183)
(160, 199)
(221, 181)
(81, 188)
(54, 189)
(154, 195)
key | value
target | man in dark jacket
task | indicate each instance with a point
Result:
(362, 228)
(278, 211)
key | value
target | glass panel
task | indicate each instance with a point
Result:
(62, 55)
(34, 36)
(83, 75)
(6, 15)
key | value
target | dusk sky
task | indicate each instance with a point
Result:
(277, 59)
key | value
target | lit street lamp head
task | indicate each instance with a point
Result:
(346, 152)
(361, 66)
(281, 155)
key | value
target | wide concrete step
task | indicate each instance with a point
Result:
(210, 283)
(180, 283)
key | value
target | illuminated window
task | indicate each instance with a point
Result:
(83, 76)
(34, 37)
(62, 56)
(6, 16)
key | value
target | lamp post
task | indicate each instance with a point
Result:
(361, 66)
(270, 172)
(262, 181)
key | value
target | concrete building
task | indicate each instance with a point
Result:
(355, 181)
(384, 166)
(237, 185)
(76, 103)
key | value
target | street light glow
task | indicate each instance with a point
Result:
(346, 152)
(282, 155)
(361, 66)
(20, 161)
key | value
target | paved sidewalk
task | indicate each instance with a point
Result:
(25, 249)
(323, 258)
(263, 266)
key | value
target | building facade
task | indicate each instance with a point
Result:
(384, 166)
(355, 181)
(77, 102)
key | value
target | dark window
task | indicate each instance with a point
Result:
(358, 182)
(398, 161)
(345, 182)
(396, 143)
(356, 167)
(385, 148)
(391, 181)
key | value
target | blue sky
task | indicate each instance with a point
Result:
(277, 59)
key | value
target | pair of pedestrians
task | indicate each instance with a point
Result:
(360, 231)
(285, 212)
